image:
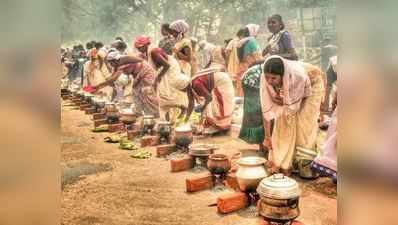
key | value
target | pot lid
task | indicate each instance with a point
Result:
(201, 149)
(251, 161)
(184, 128)
(278, 186)
(164, 123)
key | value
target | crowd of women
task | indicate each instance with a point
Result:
(284, 100)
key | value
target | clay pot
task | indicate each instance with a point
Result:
(250, 172)
(218, 164)
(201, 149)
(279, 198)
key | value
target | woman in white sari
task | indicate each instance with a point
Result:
(291, 92)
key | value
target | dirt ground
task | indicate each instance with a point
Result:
(102, 184)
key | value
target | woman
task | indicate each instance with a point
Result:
(168, 41)
(169, 82)
(144, 95)
(248, 53)
(252, 130)
(280, 43)
(218, 92)
(95, 71)
(291, 93)
(326, 162)
(182, 50)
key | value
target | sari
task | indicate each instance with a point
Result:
(252, 130)
(144, 95)
(296, 121)
(169, 91)
(218, 114)
(248, 53)
(233, 60)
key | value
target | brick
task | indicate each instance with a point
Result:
(131, 134)
(90, 110)
(181, 164)
(264, 222)
(199, 182)
(163, 150)
(149, 141)
(231, 181)
(84, 106)
(116, 127)
(232, 202)
(97, 116)
(99, 122)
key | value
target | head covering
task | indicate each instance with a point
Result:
(142, 40)
(180, 26)
(113, 54)
(253, 29)
(296, 86)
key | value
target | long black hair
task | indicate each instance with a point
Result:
(274, 66)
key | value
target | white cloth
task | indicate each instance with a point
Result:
(296, 86)
(253, 29)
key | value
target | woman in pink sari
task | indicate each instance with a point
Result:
(144, 95)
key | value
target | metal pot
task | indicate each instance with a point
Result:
(183, 135)
(201, 150)
(304, 159)
(88, 97)
(110, 107)
(279, 198)
(148, 120)
(250, 172)
(218, 164)
(127, 116)
(164, 128)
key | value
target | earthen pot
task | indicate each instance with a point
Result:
(218, 164)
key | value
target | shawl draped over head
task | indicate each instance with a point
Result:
(180, 26)
(113, 55)
(253, 29)
(296, 86)
(142, 40)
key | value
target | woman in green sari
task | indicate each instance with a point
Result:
(252, 130)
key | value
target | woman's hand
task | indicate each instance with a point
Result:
(268, 142)
(183, 111)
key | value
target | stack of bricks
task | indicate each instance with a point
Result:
(116, 127)
(232, 202)
(164, 150)
(181, 164)
(149, 141)
(199, 182)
